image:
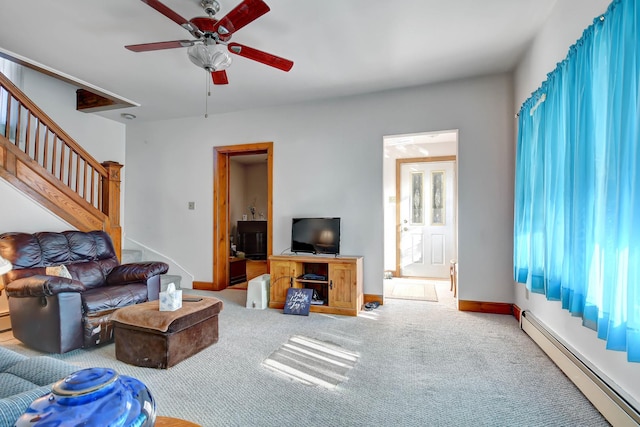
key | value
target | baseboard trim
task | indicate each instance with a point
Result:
(203, 286)
(517, 312)
(485, 307)
(373, 298)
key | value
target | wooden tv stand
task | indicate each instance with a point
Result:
(340, 289)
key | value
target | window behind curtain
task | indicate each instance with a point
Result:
(577, 199)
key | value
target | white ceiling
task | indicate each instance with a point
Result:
(339, 47)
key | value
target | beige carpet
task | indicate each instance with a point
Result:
(414, 289)
(408, 363)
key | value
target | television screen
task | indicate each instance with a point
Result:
(315, 235)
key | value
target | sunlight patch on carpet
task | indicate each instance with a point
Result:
(312, 362)
(371, 315)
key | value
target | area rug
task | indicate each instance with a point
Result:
(312, 362)
(413, 289)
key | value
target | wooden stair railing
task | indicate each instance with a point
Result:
(41, 160)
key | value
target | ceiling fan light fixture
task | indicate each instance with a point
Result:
(212, 57)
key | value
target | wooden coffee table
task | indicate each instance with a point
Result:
(173, 422)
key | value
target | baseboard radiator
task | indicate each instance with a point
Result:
(611, 404)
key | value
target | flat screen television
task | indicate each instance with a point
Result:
(315, 235)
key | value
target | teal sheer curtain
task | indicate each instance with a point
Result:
(577, 190)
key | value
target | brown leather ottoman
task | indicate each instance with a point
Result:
(148, 337)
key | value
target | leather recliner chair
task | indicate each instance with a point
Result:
(57, 314)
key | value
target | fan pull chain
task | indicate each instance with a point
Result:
(206, 99)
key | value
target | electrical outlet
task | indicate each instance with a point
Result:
(192, 205)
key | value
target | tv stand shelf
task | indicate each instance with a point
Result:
(300, 280)
(341, 292)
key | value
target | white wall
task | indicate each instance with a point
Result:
(24, 214)
(328, 162)
(256, 190)
(564, 27)
(104, 139)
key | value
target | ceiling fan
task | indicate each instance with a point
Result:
(211, 36)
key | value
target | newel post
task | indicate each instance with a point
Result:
(111, 204)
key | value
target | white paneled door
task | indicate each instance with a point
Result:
(427, 218)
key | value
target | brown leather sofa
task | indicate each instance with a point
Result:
(56, 314)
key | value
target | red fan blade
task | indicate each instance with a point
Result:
(145, 47)
(244, 13)
(175, 17)
(166, 11)
(257, 55)
(220, 77)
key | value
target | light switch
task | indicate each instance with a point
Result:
(192, 205)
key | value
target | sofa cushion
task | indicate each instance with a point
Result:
(31, 253)
(88, 273)
(74, 246)
(24, 379)
(11, 384)
(109, 298)
(12, 407)
(22, 249)
(41, 370)
(9, 358)
(54, 247)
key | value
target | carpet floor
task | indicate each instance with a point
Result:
(406, 363)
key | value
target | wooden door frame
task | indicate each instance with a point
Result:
(399, 163)
(221, 220)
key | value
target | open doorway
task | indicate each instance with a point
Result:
(248, 199)
(420, 212)
(223, 223)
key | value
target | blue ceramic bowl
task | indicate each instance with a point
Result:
(93, 397)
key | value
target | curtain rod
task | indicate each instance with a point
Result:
(543, 97)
